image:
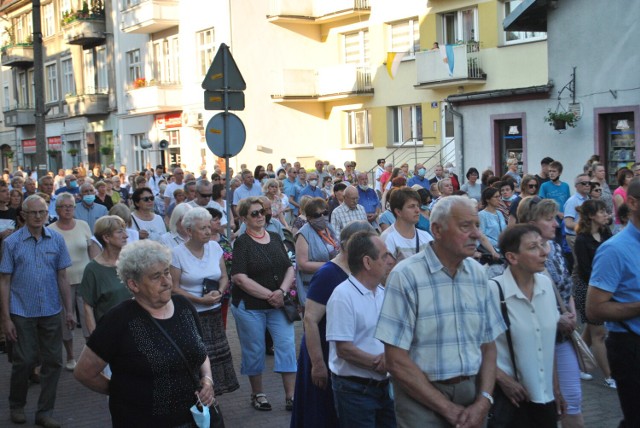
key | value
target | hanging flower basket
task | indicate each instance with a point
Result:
(52, 152)
(73, 152)
(561, 119)
(106, 150)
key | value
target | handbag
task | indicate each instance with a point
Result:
(209, 285)
(290, 309)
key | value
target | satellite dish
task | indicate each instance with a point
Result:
(145, 144)
(163, 144)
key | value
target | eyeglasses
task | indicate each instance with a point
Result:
(148, 199)
(66, 207)
(532, 186)
(205, 195)
(257, 213)
(597, 190)
(36, 213)
(318, 215)
(340, 174)
(584, 183)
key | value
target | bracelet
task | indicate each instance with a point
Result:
(208, 378)
(488, 396)
(284, 293)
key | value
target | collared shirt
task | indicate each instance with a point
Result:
(292, 190)
(352, 314)
(52, 207)
(422, 181)
(91, 213)
(244, 192)
(153, 184)
(33, 266)
(533, 331)
(311, 191)
(72, 190)
(570, 210)
(616, 270)
(369, 200)
(442, 321)
(343, 215)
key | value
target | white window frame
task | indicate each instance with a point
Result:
(415, 123)
(359, 123)
(206, 48)
(519, 36)
(6, 93)
(68, 81)
(401, 40)
(31, 95)
(23, 93)
(51, 74)
(138, 151)
(458, 26)
(89, 69)
(166, 64)
(134, 66)
(361, 54)
(102, 68)
(49, 27)
(19, 31)
(65, 6)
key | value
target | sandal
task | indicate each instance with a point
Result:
(259, 402)
(289, 404)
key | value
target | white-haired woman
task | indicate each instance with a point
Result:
(177, 234)
(146, 391)
(199, 274)
(271, 190)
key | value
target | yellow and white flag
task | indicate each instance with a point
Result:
(393, 62)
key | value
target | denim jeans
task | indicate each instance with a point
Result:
(362, 406)
(623, 352)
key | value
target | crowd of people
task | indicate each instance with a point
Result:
(425, 300)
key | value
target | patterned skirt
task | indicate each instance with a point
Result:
(580, 298)
(215, 340)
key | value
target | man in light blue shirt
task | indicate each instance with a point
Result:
(246, 189)
(571, 215)
(88, 210)
(312, 189)
(292, 190)
(419, 177)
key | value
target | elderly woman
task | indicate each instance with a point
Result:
(154, 346)
(314, 406)
(316, 244)
(272, 191)
(15, 199)
(301, 219)
(542, 214)
(77, 238)
(217, 235)
(101, 195)
(149, 224)
(199, 274)
(262, 275)
(177, 234)
(100, 288)
(527, 393)
(122, 211)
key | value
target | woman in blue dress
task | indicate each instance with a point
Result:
(313, 399)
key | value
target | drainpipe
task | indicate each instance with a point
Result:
(461, 142)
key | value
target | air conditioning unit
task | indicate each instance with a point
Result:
(193, 119)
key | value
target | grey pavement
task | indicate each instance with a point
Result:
(79, 407)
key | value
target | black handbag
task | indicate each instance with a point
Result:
(209, 285)
(290, 309)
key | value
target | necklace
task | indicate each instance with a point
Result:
(264, 232)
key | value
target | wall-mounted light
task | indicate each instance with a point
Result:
(513, 130)
(622, 124)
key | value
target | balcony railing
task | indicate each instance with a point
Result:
(433, 70)
(84, 28)
(87, 104)
(154, 97)
(324, 84)
(17, 55)
(150, 16)
(19, 115)
(316, 11)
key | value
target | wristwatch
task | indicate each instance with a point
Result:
(488, 396)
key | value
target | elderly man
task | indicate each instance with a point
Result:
(368, 198)
(439, 326)
(190, 190)
(29, 187)
(356, 357)
(203, 199)
(347, 211)
(33, 283)
(419, 177)
(248, 188)
(571, 215)
(292, 190)
(320, 173)
(614, 296)
(88, 210)
(178, 174)
(312, 189)
(45, 185)
(70, 186)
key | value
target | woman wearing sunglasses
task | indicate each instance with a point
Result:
(316, 244)
(149, 224)
(528, 187)
(262, 275)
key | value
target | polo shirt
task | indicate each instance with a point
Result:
(369, 200)
(422, 181)
(441, 321)
(244, 192)
(91, 213)
(292, 190)
(33, 266)
(570, 210)
(352, 314)
(311, 191)
(616, 270)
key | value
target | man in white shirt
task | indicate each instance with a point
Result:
(203, 199)
(178, 173)
(154, 182)
(356, 358)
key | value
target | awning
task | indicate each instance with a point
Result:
(530, 15)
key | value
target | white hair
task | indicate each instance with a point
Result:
(442, 211)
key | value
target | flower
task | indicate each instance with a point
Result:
(293, 293)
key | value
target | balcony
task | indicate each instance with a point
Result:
(324, 84)
(150, 16)
(92, 104)
(20, 115)
(153, 97)
(316, 11)
(17, 55)
(84, 28)
(434, 70)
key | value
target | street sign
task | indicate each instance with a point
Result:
(214, 100)
(223, 63)
(229, 127)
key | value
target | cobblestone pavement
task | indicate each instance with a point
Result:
(76, 406)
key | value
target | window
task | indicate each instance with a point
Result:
(49, 20)
(359, 128)
(65, 6)
(52, 82)
(130, 3)
(509, 132)
(138, 151)
(405, 37)
(206, 49)
(102, 74)
(68, 82)
(460, 26)
(134, 66)
(89, 72)
(356, 48)
(166, 64)
(6, 96)
(513, 37)
(407, 124)
(23, 95)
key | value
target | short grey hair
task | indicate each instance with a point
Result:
(64, 197)
(138, 257)
(192, 216)
(442, 211)
(178, 212)
(25, 206)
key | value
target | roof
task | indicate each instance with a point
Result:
(530, 15)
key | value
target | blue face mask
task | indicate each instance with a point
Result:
(422, 172)
(88, 199)
(73, 184)
(424, 207)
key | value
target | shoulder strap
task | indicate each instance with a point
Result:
(137, 225)
(505, 316)
(563, 307)
(417, 242)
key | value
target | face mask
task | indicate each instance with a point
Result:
(422, 172)
(318, 223)
(424, 207)
(88, 199)
(328, 187)
(73, 184)
(267, 218)
(313, 183)
(364, 187)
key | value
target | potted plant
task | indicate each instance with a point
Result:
(52, 152)
(8, 155)
(106, 150)
(73, 152)
(140, 82)
(561, 119)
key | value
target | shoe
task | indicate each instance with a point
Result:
(259, 402)
(18, 417)
(611, 383)
(289, 404)
(71, 364)
(47, 422)
(585, 376)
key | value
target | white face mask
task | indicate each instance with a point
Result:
(313, 183)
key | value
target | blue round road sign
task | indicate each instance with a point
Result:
(234, 133)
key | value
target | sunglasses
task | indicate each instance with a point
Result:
(597, 190)
(205, 195)
(340, 174)
(532, 186)
(257, 213)
(148, 199)
(318, 215)
(584, 183)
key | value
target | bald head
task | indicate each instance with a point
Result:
(351, 197)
